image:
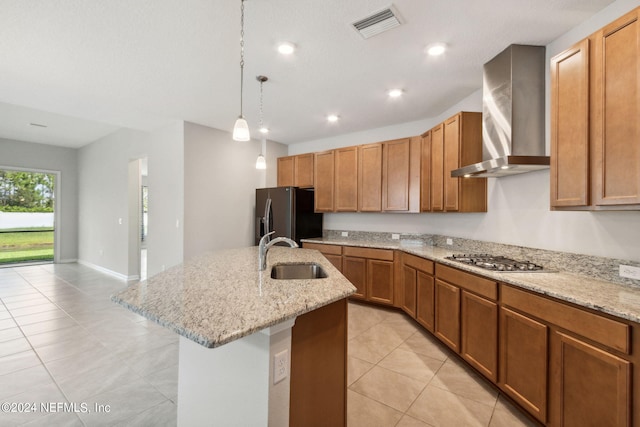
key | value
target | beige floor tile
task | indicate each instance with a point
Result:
(506, 414)
(441, 408)
(42, 394)
(80, 387)
(162, 415)
(23, 380)
(10, 334)
(18, 361)
(412, 365)
(423, 342)
(388, 387)
(365, 412)
(408, 421)
(356, 368)
(17, 345)
(460, 380)
(376, 343)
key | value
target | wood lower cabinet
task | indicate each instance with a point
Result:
(523, 361)
(417, 295)
(324, 178)
(425, 301)
(447, 310)
(333, 253)
(319, 367)
(479, 333)
(371, 271)
(409, 290)
(296, 171)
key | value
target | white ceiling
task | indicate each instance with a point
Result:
(87, 68)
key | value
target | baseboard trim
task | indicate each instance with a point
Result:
(112, 273)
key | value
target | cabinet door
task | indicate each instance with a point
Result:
(570, 127)
(616, 139)
(380, 281)
(447, 326)
(346, 179)
(437, 168)
(479, 330)
(451, 162)
(370, 178)
(355, 270)
(425, 299)
(591, 386)
(286, 171)
(425, 173)
(336, 260)
(395, 175)
(304, 170)
(324, 181)
(523, 361)
(409, 282)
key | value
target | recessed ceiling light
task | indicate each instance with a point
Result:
(436, 49)
(286, 48)
(395, 93)
(332, 118)
(264, 130)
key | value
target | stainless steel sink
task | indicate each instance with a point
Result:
(297, 271)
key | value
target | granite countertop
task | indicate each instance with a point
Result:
(607, 297)
(221, 296)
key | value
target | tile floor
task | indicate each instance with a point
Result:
(62, 341)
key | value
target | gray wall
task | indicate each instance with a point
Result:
(219, 182)
(518, 211)
(25, 155)
(103, 189)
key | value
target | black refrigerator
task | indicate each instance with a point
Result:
(289, 211)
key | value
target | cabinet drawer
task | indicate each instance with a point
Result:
(418, 263)
(383, 254)
(610, 333)
(325, 249)
(481, 286)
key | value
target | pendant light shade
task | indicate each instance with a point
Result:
(261, 162)
(241, 130)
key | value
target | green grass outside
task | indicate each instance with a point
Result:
(26, 246)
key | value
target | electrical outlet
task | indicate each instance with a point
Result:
(629, 271)
(449, 241)
(395, 236)
(280, 366)
(345, 234)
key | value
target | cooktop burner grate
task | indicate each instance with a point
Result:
(496, 263)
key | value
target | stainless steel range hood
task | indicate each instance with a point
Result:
(513, 139)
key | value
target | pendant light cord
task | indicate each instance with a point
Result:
(241, 53)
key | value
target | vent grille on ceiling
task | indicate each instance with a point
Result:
(377, 23)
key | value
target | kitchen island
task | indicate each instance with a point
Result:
(234, 322)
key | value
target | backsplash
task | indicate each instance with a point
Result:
(585, 265)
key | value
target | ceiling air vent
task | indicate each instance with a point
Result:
(377, 23)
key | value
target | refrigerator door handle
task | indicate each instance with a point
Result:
(267, 216)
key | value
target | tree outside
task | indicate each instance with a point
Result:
(23, 196)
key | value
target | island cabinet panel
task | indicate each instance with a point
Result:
(425, 172)
(346, 179)
(333, 253)
(616, 136)
(523, 361)
(447, 314)
(570, 124)
(319, 367)
(437, 168)
(371, 271)
(589, 386)
(479, 334)
(324, 177)
(370, 178)
(296, 171)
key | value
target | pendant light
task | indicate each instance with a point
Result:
(261, 162)
(241, 128)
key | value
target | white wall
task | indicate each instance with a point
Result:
(219, 188)
(103, 190)
(25, 155)
(518, 211)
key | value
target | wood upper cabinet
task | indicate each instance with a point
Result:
(296, 171)
(595, 120)
(324, 177)
(437, 168)
(425, 172)
(401, 175)
(370, 178)
(346, 179)
(570, 127)
(451, 161)
(523, 361)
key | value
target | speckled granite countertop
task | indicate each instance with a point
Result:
(611, 298)
(221, 296)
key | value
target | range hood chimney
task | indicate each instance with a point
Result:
(513, 138)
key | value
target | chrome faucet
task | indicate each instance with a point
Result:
(264, 247)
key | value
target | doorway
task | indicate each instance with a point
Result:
(28, 232)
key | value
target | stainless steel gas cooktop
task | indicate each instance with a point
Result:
(496, 263)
